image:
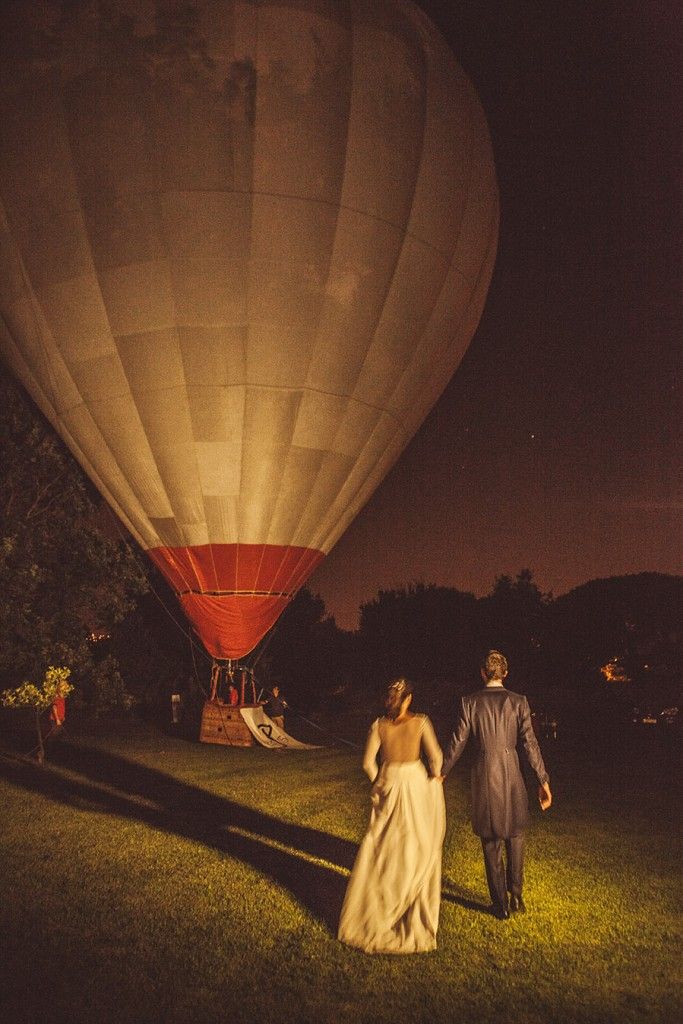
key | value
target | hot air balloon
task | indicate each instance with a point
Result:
(244, 245)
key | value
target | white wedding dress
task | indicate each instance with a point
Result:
(393, 896)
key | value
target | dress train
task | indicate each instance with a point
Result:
(394, 893)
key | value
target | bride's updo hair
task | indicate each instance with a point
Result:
(397, 691)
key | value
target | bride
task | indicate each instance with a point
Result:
(392, 900)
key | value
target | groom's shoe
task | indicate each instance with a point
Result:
(500, 911)
(517, 905)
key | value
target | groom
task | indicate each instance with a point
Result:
(497, 718)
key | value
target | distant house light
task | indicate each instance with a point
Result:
(614, 672)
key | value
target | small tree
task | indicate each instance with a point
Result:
(28, 695)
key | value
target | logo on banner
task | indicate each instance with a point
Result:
(267, 730)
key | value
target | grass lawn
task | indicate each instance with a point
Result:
(146, 878)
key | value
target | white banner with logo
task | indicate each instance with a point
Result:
(268, 733)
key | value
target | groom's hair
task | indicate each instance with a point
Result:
(495, 665)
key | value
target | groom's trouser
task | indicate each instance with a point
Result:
(503, 879)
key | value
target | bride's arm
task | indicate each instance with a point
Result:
(432, 748)
(371, 750)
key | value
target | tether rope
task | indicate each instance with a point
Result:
(341, 739)
(188, 635)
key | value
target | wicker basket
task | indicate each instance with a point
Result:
(223, 724)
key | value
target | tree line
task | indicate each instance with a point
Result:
(609, 644)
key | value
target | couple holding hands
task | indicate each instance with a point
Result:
(394, 893)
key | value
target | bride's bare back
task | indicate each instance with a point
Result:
(400, 741)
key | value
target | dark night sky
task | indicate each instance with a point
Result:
(557, 444)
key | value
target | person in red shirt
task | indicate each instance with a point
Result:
(58, 711)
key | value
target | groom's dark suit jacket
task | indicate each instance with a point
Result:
(497, 718)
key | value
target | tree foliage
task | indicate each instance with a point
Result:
(556, 647)
(61, 576)
(154, 652)
(512, 619)
(55, 684)
(632, 621)
(306, 654)
(423, 631)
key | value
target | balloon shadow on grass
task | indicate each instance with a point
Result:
(91, 779)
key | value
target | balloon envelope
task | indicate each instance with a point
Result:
(244, 247)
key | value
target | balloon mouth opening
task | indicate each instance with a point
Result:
(232, 625)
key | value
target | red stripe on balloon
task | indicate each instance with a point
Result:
(233, 593)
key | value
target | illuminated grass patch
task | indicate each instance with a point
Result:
(149, 879)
